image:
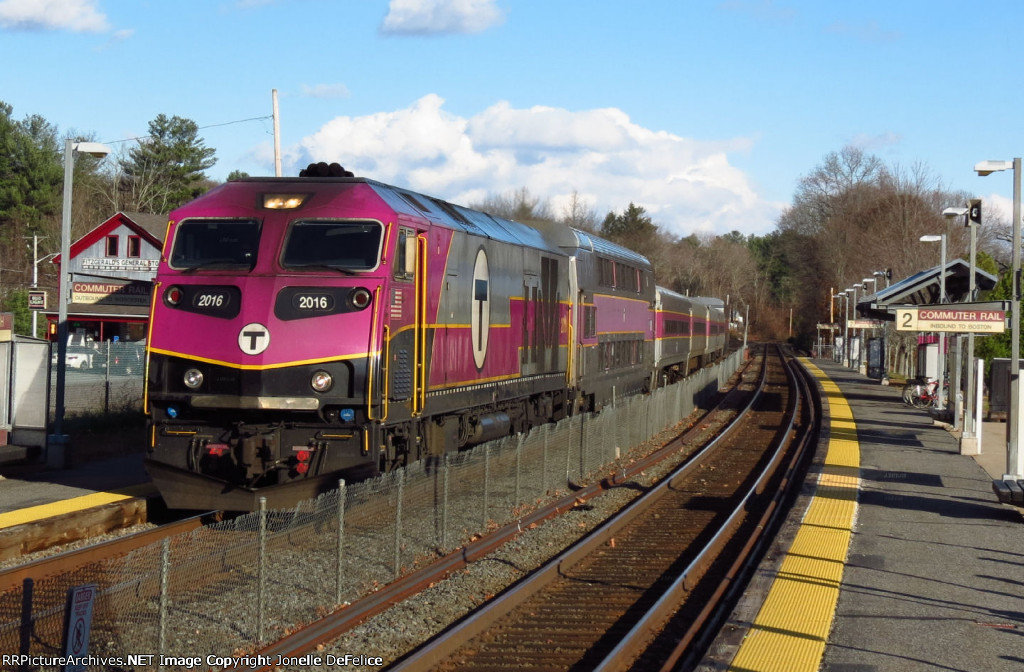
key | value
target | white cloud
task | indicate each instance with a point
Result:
(325, 91)
(80, 16)
(687, 186)
(425, 17)
(997, 208)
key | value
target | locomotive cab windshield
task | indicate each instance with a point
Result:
(348, 245)
(206, 243)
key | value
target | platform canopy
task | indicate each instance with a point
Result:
(923, 288)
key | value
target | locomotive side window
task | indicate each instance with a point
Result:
(203, 243)
(347, 245)
(405, 254)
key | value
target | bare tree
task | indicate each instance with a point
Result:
(519, 205)
(579, 215)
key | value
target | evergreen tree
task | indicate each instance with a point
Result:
(16, 302)
(166, 168)
(633, 224)
(30, 174)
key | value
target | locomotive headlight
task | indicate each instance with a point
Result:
(283, 201)
(193, 378)
(360, 298)
(321, 381)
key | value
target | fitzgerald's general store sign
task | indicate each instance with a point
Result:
(122, 264)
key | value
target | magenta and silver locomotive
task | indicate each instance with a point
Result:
(306, 329)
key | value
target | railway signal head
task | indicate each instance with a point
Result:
(974, 211)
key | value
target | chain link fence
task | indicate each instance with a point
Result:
(105, 377)
(222, 590)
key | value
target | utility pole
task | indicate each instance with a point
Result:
(277, 138)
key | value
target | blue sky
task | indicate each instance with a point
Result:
(705, 113)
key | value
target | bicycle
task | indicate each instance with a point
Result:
(913, 386)
(923, 394)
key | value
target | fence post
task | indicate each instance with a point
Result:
(444, 506)
(262, 569)
(398, 523)
(165, 581)
(26, 619)
(487, 481)
(519, 461)
(341, 537)
(544, 460)
(106, 383)
(568, 450)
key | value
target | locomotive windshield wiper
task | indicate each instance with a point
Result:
(323, 267)
(210, 263)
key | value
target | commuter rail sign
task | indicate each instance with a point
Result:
(962, 318)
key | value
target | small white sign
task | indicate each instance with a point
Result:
(79, 625)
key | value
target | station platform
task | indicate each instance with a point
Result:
(90, 498)
(897, 555)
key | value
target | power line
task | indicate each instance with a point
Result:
(199, 128)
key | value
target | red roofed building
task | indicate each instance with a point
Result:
(112, 270)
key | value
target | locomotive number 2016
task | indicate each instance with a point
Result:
(211, 300)
(313, 302)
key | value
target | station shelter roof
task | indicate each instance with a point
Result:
(923, 288)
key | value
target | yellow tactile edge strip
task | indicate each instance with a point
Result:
(792, 627)
(32, 514)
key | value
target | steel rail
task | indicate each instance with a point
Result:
(692, 644)
(305, 640)
(14, 578)
(443, 646)
(651, 622)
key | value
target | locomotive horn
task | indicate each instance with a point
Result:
(323, 169)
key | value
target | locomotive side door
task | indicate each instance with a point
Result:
(403, 327)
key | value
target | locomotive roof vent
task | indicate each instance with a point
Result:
(324, 169)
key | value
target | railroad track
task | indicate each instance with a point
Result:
(230, 560)
(623, 479)
(602, 603)
(314, 637)
(83, 560)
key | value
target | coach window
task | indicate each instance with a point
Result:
(111, 246)
(607, 271)
(589, 322)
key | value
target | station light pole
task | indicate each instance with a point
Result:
(863, 331)
(940, 401)
(1014, 458)
(836, 355)
(853, 289)
(885, 326)
(841, 295)
(954, 213)
(56, 443)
